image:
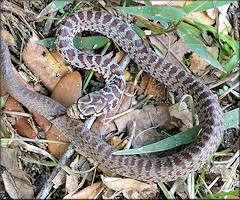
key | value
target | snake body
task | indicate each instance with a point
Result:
(165, 168)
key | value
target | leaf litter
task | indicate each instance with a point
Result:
(147, 118)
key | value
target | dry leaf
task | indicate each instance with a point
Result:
(39, 60)
(146, 117)
(89, 192)
(146, 137)
(198, 64)
(223, 18)
(172, 46)
(57, 150)
(21, 123)
(182, 112)
(15, 181)
(8, 37)
(13, 8)
(59, 179)
(72, 180)
(200, 16)
(69, 89)
(153, 87)
(131, 189)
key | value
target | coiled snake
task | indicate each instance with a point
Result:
(166, 168)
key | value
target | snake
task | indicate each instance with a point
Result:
(157, 168)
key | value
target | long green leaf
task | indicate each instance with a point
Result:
(231, 119)
(52, 7)
(163, 14)
(184, 137)
(197, 46)
(87, 43)
(199, 6)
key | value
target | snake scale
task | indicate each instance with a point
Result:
(165, 168)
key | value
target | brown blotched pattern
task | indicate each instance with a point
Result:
(165, 168)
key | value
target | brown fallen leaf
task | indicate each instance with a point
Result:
(13, 8)
(153, 87)
(40, 61)
(117, 142)
(15, 180)
(73, 180)
(67, 92)
(146, 117)
(69, 89)
(198, 64)
(200, 16)
(90, 192)
(59, 179)
(57, 150)
(8, 37)
(172, 47)
(182, 112)
(21, 123)
(130, 188)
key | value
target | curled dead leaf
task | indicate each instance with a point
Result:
(90, 192)
(131, 189)
(15, 180)
(182, 112)
(198, 64)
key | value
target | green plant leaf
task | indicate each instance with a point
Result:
(204, 27)
(4, 133)
(223, 194)
(163, 14)
(87, 43)
(231, 42)
(197, 46)
(231, 63)
(184, 137)
(191, 29)
(31, 160)
(139, 31)
(231, 118)
(199, 6)
(3, 100)
(48, 42)
(52, 7)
